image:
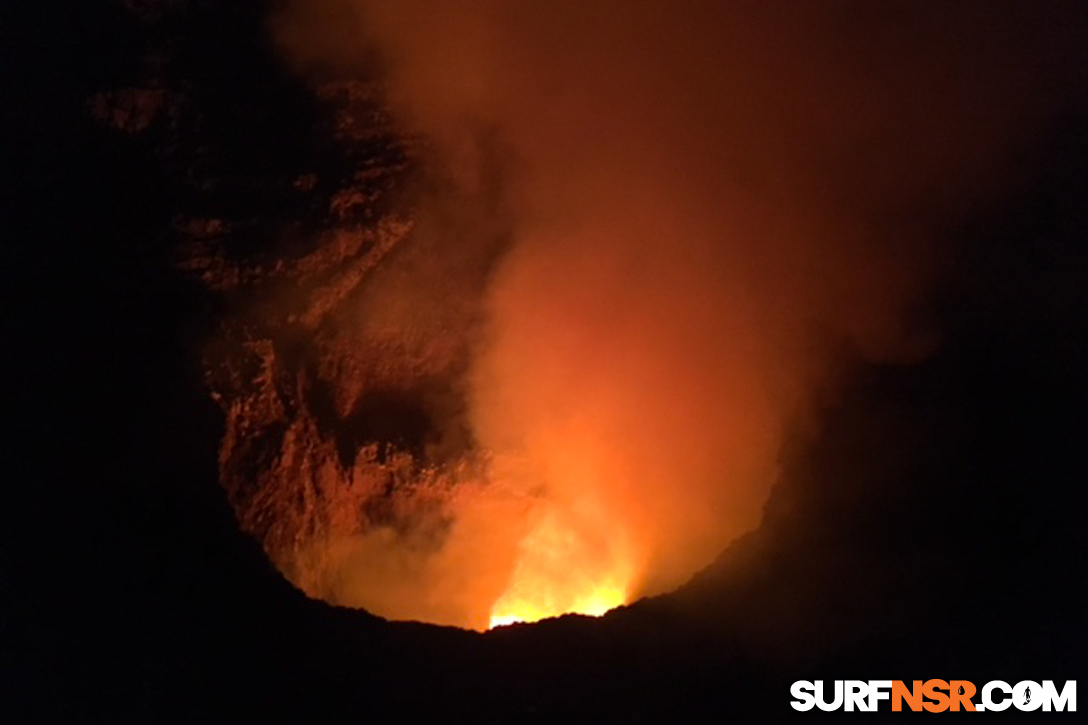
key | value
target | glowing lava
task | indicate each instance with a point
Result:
(594, 604)
(566, 565)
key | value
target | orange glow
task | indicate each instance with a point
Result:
(557, 375)
(563, 569)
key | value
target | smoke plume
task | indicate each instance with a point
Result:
(699, 200)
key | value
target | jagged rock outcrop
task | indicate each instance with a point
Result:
(329, 370)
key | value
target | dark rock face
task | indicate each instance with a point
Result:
(166, 186)
(288, 203)
(333, 376)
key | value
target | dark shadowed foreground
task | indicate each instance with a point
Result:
(926, 521)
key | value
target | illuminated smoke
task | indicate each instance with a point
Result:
(703, 198)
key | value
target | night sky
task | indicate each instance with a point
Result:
(925, 521)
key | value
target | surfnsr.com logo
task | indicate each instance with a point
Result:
(933, 696)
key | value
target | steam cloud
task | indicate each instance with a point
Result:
(703, 198)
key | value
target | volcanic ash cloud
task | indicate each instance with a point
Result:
(702, 199)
